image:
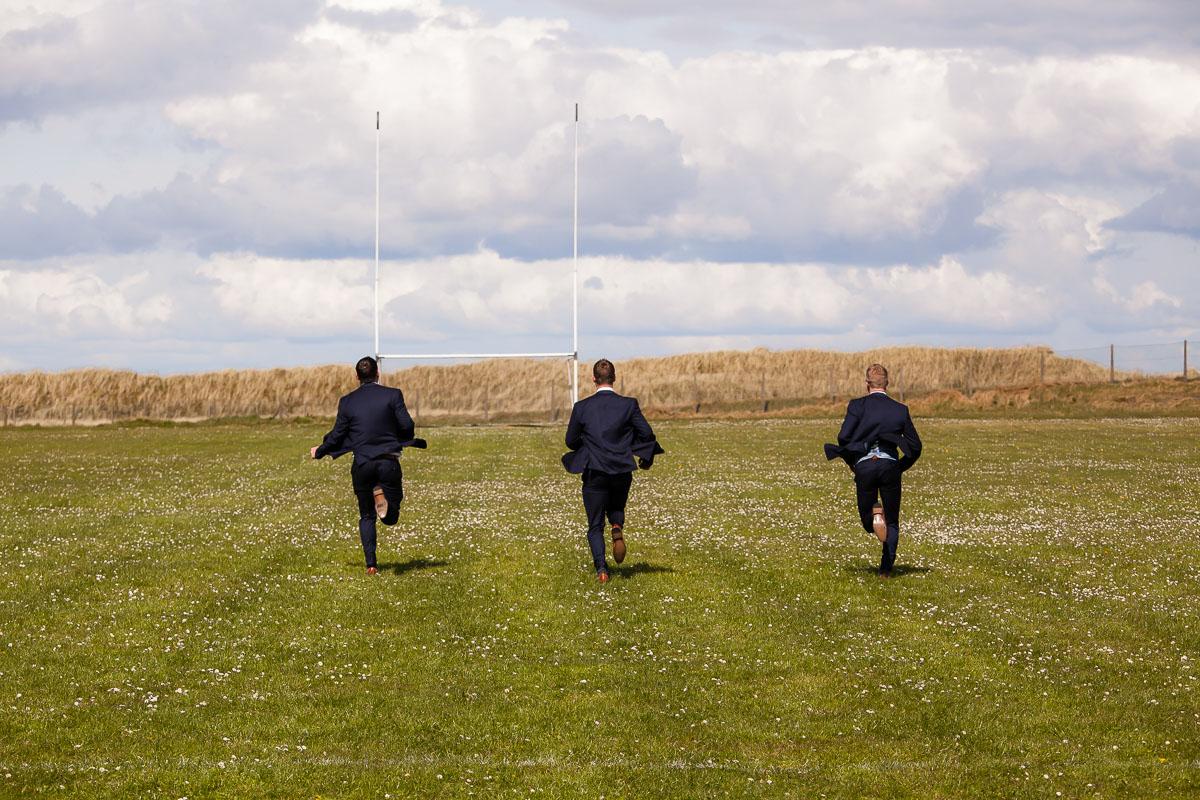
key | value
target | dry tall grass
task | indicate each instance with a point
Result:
(101, 394)
(534, 389)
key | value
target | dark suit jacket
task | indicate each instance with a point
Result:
(606, 432)
(372, 421)
(876, 418)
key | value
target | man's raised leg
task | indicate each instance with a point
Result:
(391, 485)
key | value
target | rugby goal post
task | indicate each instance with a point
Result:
(572, 357)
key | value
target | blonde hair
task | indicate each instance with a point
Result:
(877, 377)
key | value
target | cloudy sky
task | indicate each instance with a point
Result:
(190, 185)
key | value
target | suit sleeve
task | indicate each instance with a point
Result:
(645, 445)
(853, 415)
(912, 444)
(642, 432)
(574, 438)
(404, 422)
(335, 439)
(849, 427)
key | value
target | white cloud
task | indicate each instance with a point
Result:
(804, 151)
(947, 295)
(1044, 235)
(1141, 297)
(292, 298)
(78, 302)
(482, 293)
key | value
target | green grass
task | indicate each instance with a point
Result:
(183, 613)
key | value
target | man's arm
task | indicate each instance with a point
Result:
(642, 432)
(912, 444)
(853, 415)
(333, 440)
(645, 445)
(403, 420)
(575, 429)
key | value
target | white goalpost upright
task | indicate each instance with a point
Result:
(575, 273)
(573, 356)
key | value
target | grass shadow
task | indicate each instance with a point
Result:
(898, 571)
(641, 568)
(401, 567)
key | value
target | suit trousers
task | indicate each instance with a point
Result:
(879, 478)
(604, 494)
(365, 476)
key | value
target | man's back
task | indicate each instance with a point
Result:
(877, 419)
(605, 432)
(372, 421)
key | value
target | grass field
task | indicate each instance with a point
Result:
(183, 613)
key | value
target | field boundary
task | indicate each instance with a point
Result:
(734, 383)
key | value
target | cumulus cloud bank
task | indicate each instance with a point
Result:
(812, 179)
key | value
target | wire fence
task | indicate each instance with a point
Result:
(1138, 359)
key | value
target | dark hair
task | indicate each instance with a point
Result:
(604, 372)
(367, 369)
(877, 377)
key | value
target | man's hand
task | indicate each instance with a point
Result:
(643, 464)
(313, 453)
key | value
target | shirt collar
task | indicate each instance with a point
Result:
(605, 389)
(877, 391)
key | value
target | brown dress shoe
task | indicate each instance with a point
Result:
(878, 523)
(618, 544)
(371, 570)
(381, 504)
(602, 577)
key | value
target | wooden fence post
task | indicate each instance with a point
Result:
(487, 412)
(970, 377)
(1112, 363)
(1185, 360)
(696, 392)
(900, 380)
(416, 403)
(1042, 369)
(553, 410)
(831, 384)
(763, 391)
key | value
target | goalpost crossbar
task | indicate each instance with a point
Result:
(478, 355)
